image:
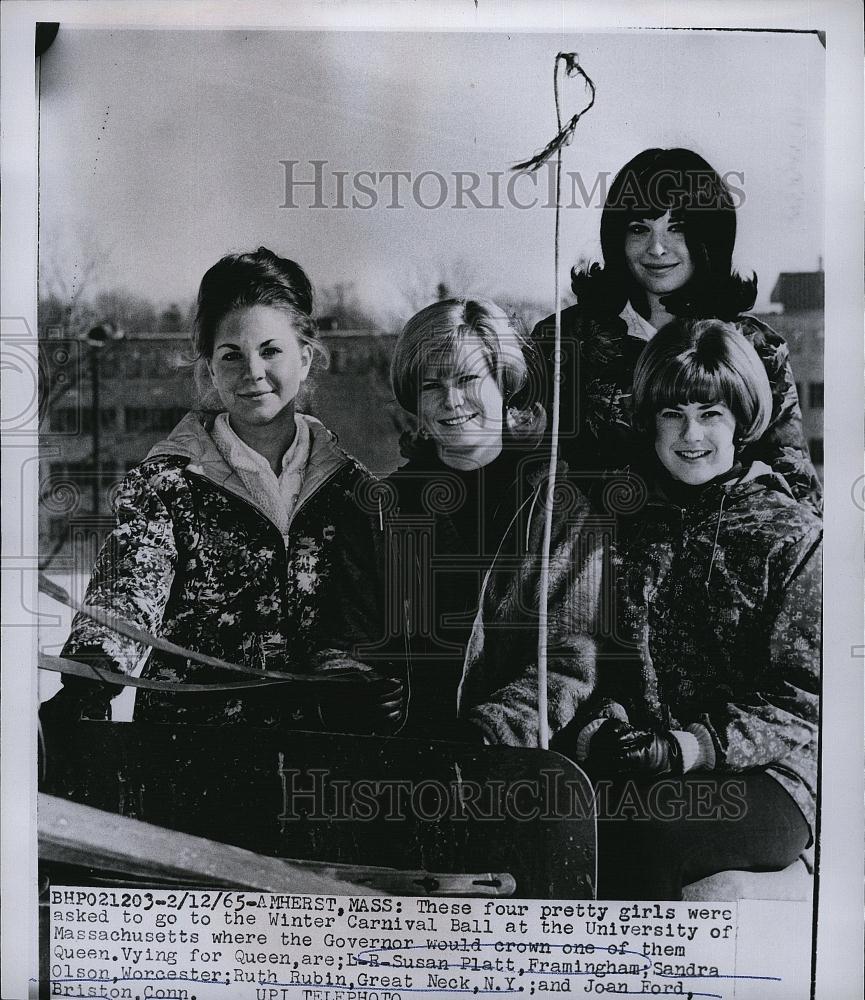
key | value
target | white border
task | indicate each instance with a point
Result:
(839, 968)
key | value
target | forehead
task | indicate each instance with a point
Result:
(254, 324)
(697, 407)
(658, 217)
(458, 355)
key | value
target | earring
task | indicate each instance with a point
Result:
(424, 433)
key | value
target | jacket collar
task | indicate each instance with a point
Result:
(191, 439)
(757, 478)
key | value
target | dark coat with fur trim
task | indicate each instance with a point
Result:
(444, 527)
(195, 561)
(499, 688)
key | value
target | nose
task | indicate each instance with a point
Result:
(692, 430)
(452, 396)
(656, 245)
(255, 368)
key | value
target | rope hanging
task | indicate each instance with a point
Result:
(562, 138)
(129, 631)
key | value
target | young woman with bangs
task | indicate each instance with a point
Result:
(702, 732)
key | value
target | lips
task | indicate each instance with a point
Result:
(458, 421)
(254, 395)
(693, 456)
(660, 267)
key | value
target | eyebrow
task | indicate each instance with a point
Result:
(235, 347)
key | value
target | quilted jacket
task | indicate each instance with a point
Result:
(193, 559)
(718, 626)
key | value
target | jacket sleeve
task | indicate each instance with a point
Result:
(776, 722)
(783, 446)
(350, 627)
(499, 693)
(131, 579)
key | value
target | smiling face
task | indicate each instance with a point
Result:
(657, 255)
(694, 441)
(461, 406)
(258, 365)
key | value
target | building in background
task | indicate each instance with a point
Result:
(801, 322)
(144, 384)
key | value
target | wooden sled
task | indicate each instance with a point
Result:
(392, 815)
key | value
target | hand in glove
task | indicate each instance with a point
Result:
(617, 748)
(367, 705)
(74, 702)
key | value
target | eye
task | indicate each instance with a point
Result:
(464, 379)
(428, 385)
(637, 228)
(711, 414)
(670, 415)
(229, 356)
(269, 352)
(678, 226)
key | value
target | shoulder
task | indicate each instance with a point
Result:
(160, 473)
(766, 340)
(777, 516)
(576, 322)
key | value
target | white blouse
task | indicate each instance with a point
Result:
(275, 495)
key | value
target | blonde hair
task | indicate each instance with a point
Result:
(438, 330)
(703, 361)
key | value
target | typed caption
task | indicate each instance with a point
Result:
(125, 944)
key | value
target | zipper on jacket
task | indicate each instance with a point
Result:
(283, 547)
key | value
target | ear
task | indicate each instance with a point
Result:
(306, 355)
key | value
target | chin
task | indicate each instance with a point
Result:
(693, 477)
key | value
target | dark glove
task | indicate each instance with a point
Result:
(565, 740)
(364, 706)
(74, 702)
(618, 749)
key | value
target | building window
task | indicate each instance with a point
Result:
(815, 446)
(815, 395)
(147, 418)
(75, 419)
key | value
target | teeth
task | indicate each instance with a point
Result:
(456, 421)
(693, 454)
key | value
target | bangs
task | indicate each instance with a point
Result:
(692, 382)
(706, 362)
(651, 195)
(450, 352)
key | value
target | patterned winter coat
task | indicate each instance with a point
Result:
(718, 627)
(598, 362)
(193, 559)
(499, 687)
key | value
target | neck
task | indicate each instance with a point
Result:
(272, 440)
(476, 459)
(653, 311)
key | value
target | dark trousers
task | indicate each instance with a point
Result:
(655, 838)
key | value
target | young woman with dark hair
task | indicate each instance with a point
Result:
(668, 230)
(239, 535)
(703, 726)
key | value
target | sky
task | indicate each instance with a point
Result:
(161, 150)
